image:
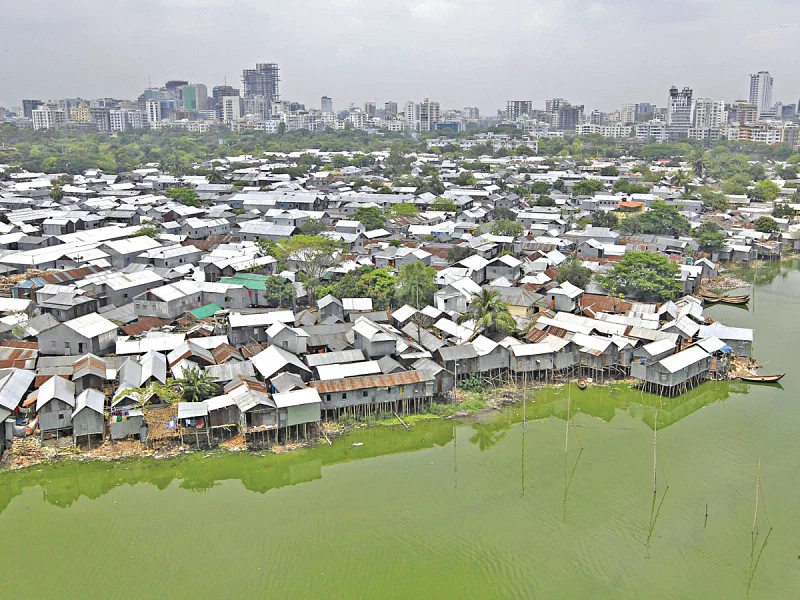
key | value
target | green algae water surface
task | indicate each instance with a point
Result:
(555, 508)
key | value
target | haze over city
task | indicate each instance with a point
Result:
(460, 52)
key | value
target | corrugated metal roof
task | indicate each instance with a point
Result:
(461, 352)
(297, 398)
(531, 349)
(726, 333)
(192, 410)
(92, 399)
(13, 387)
(681, 360)
(355, 369)
(329, 358)
(375, 381)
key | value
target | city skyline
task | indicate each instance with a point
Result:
(550, 51)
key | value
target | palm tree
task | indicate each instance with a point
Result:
(216, 177)
(698, 160)
(488, 312)
(196, 385)
(682, 179)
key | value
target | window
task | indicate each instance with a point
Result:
(66, 347)
(61, 417)
(344, 396)
(365, 393)
(53, 345)
(328, 398)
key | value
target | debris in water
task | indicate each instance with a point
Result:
(358, 443)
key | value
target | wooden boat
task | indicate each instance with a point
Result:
(582, 384)
(735, 299)
(711, 299)
(762, 378)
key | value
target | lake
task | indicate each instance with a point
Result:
(553, 508)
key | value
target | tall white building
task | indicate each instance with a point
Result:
(628, 114)
(48, 117)
(231, 108)
(326, 104)
(121, 119)
(761, 91)
(153, 109)
(709, 113)
(679, 112)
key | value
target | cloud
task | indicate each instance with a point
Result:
(433, 10)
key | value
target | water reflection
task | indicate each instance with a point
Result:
(64, 483)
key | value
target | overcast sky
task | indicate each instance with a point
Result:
(459, 52)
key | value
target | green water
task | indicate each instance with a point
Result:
(486, 509)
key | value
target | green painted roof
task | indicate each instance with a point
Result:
(205, 311)
(249, 283)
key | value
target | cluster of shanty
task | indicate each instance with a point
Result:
(99, 321)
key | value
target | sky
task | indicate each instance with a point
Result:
(458, 52)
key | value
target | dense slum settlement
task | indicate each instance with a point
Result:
(120, 305)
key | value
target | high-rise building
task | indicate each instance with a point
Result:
(679, 112)
(48, 117)
(628, 114)
(596, 117)
(231, 108)
(761, 91)
(153, 111)
(257, 106)
(554, 104)
(80, 114)
(370, 109)
(262, 81)
(745, 112)
(564, 116)
(175, 86)
(28, 106)
(709, 113)
(218, 93)
(100, 118)
(428, 115)
(390, 108)
(326, 104)
(472, 112)
(194, 96)
(518, 108)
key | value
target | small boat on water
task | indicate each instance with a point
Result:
(582, 384)
(711, 299)
(735, 299)
(762, 378)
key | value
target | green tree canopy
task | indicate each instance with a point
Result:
(488, 312)
(444, 204)
(643, 276)
(371, 216)
(403, 209)
(609, 171)
(572, 270)
(709, 236)
(767, 225)
(504, 227)
(540, 187)
(196, 385)
(602, 218)
(501, 213)
(765, 191)
(416, 285)
(660, 219)
(312, 227)
(185, 196)
(587, 187)
(783, 211)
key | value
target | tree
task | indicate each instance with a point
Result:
(540, 187)
(501, 213)
(403, 209)
(609, 171)
(150, 229)
(767, 225)
(465, 178)
(572, 270)
(709, 236)
(624, 186)
(713, 200)
(783, 211)
(56, 192)
(587, 187)
(196, 385)
(488, 312)
(504, 227)
(544, 200)
(444, 204)
(312, 227)
(457, 253)
(313, 254)
(660, 219)
(371, 216)
(216, 177)
(765, 191)
(787, 172)
(185, 196)
(433, 185)
(559, 185)
(416, 285)
(643, 276)
(278, 291)
(602, 218)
